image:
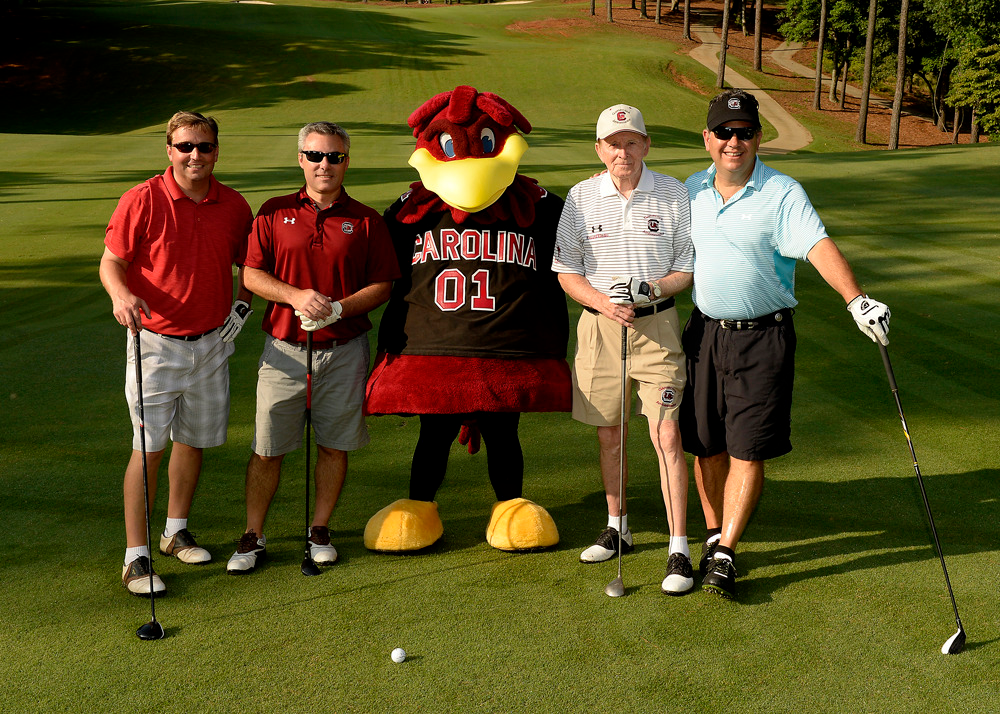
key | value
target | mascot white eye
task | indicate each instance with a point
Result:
(447, 145)
(489, 140)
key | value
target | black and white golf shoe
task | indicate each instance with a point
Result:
(606, 546)
(244, 560)
(720, 578)
(707, 553)
(181, 545)
(320, 549)
(680, 576)
(135, 578)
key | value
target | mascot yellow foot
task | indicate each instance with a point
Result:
(405, 525)
(519, 524)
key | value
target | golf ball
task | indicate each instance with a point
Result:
(398, 655)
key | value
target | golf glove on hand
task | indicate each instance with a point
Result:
(236, 320)
(872, 317)
(630, 292)
(313, 325)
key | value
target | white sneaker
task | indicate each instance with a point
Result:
(320, 549)
(606, 546)
(135, 578)
(181, 545)
(680, 576)
(244, 560)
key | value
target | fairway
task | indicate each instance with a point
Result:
(843, 605)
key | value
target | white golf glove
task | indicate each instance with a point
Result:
(236, 320)
(872, 317)
(630, 292)
(313, 325)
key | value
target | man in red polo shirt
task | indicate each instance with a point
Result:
(168, 268)
(322, 261)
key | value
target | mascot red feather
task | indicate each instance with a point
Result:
(475, 332)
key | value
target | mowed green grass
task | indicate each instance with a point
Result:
(843, 605)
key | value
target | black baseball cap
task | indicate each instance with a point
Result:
(740, 107)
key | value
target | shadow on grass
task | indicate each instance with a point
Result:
(70, 63)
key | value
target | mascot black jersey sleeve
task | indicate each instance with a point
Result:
(476, 291)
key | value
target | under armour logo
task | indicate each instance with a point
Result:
(290, 220)
(746, 216)
(596, 229)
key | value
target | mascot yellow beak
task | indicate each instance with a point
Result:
(471, 185)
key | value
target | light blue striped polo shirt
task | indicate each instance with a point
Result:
(746, 248)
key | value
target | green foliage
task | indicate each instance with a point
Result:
(976, 84)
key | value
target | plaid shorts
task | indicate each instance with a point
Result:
(185, 390)
(338, 392)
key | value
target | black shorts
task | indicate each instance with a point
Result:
(739, 391)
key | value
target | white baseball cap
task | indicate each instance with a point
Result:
(620, 117)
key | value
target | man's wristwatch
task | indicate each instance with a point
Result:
(655, 289)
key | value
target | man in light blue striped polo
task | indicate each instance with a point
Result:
(623, 250)
(750, 224)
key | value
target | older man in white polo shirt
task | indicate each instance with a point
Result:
(623, 250)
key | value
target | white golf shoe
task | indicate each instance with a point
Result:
(244, 560)
(320, 549)
(680, 575)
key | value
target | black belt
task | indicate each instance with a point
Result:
(757, 323)
(322, 345)
(186, 338)
(646, 310)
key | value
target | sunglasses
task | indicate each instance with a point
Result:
(334, 157)
(743, 133)
(186, 147)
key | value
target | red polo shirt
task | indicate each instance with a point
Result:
(180, 253)
(336, 251)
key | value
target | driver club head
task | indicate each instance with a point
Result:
(955, 643)
(152, 630)
(309, 567)
(616, 588)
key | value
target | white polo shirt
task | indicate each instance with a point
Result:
(601, 235)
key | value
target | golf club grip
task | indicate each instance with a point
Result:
(888, 367)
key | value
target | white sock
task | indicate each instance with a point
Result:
(174, 525)
(679, 544)
(613, 523)
(137, 552)
(722, 556)
(714, 539)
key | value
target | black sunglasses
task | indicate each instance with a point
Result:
(743, 133)
(334, 157)
(186, 147)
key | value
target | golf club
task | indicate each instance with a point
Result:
(309, 566)
(955, 643)
(152, 630)
(616, 588)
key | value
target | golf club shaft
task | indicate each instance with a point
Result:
(137, 344)
(621, 451)
(920, 479)
(309, 377)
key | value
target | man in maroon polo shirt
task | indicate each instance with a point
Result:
(323, 261)
(168, 268)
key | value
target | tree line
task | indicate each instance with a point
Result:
(949, 48)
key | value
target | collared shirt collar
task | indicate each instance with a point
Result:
(306, 200)
(754, 182)
(177, 193)
(646, 183)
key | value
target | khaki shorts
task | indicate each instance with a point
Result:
(653, 359)
(338, 391)
(185, 390)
